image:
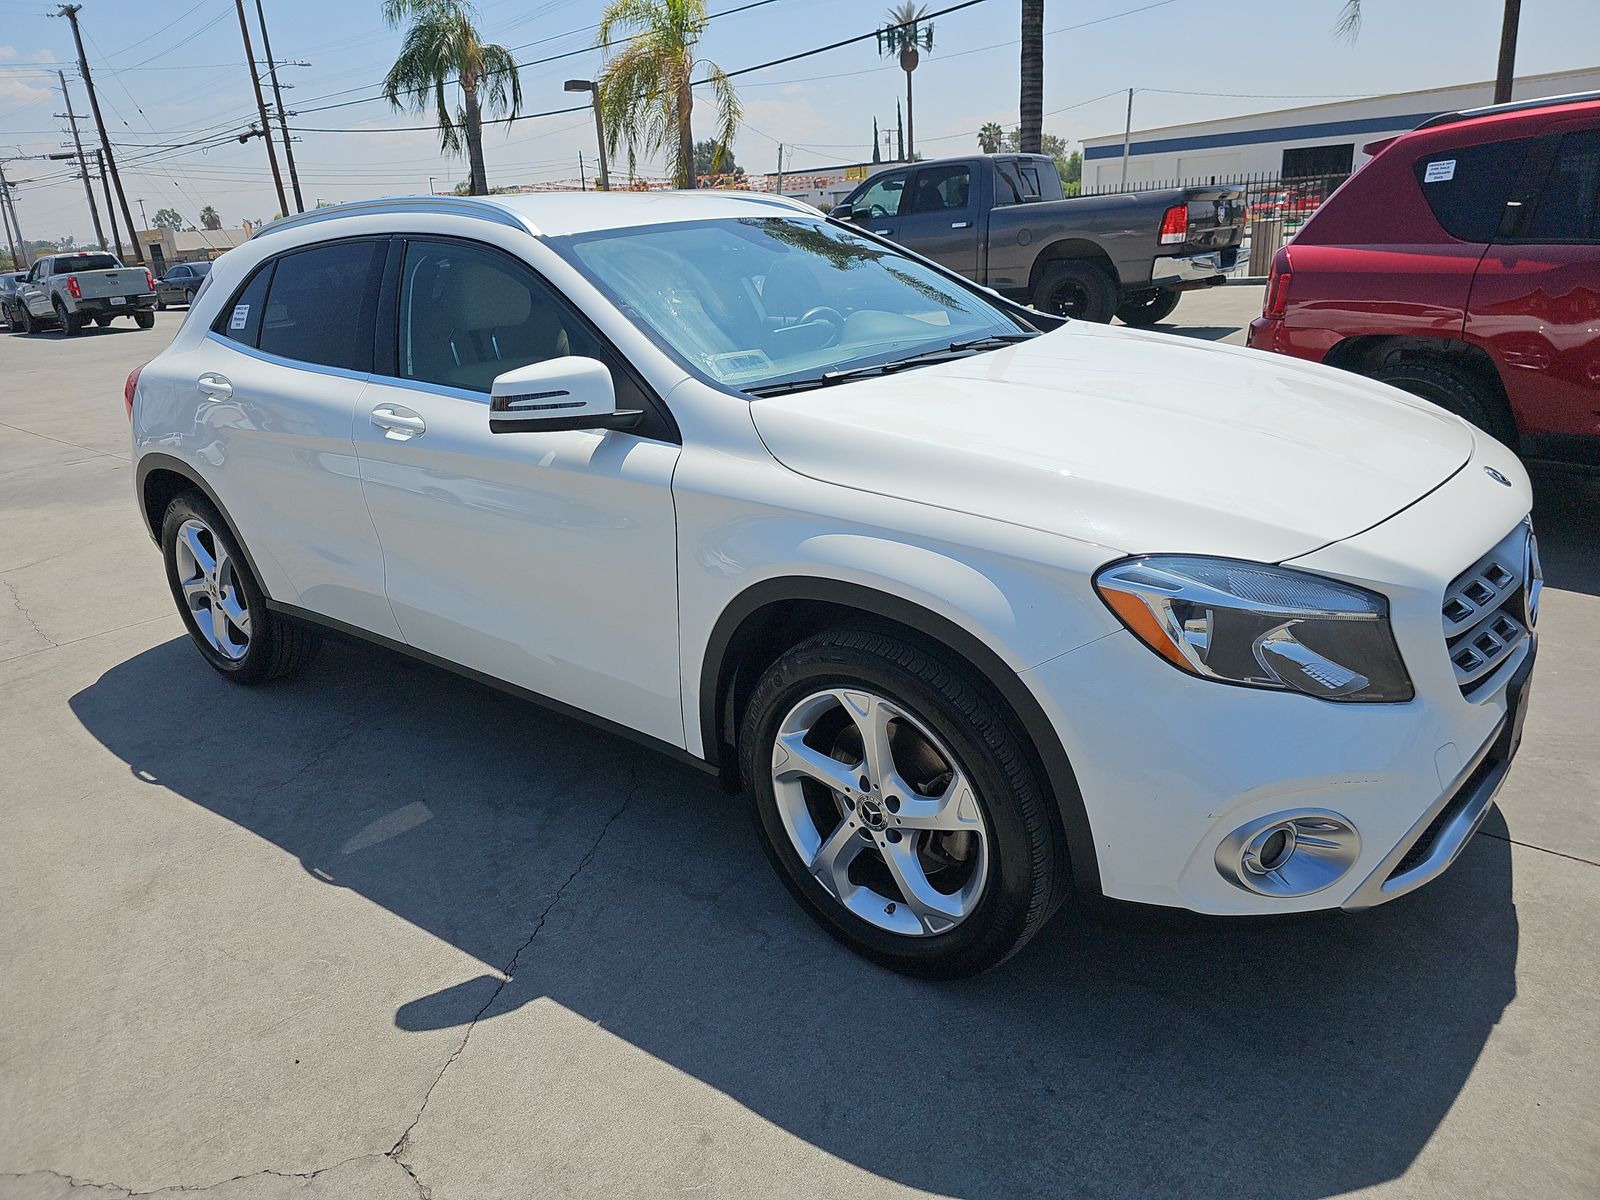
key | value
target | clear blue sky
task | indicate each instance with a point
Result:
(163, 86)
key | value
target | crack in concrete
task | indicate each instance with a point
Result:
(23, 609)
(1588, 862)
(404, 1142)
(127, 1193)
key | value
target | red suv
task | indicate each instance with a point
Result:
(1462, 264)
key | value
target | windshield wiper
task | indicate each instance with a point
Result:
(921, 358)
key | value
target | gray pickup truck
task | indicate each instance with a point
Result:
(69, 290)
(1001, 220)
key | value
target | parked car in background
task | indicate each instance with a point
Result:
(976, 613)
(1462, 264)
(69, 290)
(10, 305)
(1000, 220)
(179, 285)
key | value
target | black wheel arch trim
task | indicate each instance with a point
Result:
(716, 675)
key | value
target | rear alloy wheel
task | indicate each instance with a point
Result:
(1080, 290)
(898, 806)
(1144, 309)
(220, 601)
(1455, 390)
(69, 323)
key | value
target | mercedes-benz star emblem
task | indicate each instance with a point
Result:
(1496, 476)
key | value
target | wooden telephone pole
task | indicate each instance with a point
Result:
(83, 163)
(261, 107)
(70, 12)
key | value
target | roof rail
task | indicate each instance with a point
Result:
(1493, 110)
(461, 206)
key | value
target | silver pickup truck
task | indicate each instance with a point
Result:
(1001, 221)
(70, 290)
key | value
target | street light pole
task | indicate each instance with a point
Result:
(588, 85)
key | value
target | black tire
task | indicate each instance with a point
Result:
(188, 298)
(70, 324)
(161, 304)
(1028, 870)
(14, 320)
(1144, 309)
(26, 318)
(1081, 290)
(144, 319)
(278, 646)
(1455, 390)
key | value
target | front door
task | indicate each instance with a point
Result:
(1535, 302)
(939, 217)
(545, 559)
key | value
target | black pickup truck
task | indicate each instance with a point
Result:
(1001, 220)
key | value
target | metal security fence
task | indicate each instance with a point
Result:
(1276, 206)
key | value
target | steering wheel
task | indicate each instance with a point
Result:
(822, 312)
(877, 211)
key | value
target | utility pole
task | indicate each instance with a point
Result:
(5, 219)
(111, 213)
(19, 253)
(1506, 72)
(1127, 136)
(777, 189)
(144, 220)
(583, 179)
(70, 12)
(83, 166)
(283, 118)
(261, 107)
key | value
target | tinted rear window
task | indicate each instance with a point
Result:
(1468, 188)
(320, 305)
(86, 262)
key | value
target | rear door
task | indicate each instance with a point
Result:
(1535, 302)
(939, 217)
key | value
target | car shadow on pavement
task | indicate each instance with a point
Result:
(1566, 516)
(1126, 1052)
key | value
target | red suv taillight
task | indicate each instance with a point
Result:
(149, 281)
(1277, 302)
(73, 289)
(129, 388)
(1174, 225)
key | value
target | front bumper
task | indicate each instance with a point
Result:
(1170, 766)
(1193, 270)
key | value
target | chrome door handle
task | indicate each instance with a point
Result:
(400, 424)
(960, 224)
(883, 232)
(214, 386)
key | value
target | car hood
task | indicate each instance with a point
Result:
(1136, 441)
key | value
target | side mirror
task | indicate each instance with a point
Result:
(843, 212)
(557, 394)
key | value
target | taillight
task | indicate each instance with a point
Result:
(129, 388)
(1174, 225)
(1277, 302)
(73, 289)
(149, 282)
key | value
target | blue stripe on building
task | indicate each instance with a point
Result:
(1250, 137)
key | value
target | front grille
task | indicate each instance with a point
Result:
(1489, 610)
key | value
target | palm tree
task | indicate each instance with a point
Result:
(209, 218)
(1032, 75)
(906, 36)
(442, 47)
(991, 137)
(646, 89)
(1349, 25)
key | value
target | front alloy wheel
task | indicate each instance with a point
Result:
(876, 807)
(898, 804)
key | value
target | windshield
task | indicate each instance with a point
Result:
(754, 301)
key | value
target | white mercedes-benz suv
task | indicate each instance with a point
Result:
(981, 607)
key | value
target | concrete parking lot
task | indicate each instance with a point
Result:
(378, 931)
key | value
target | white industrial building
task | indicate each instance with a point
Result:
(1323, 139)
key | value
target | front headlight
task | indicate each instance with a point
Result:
(1259, 626)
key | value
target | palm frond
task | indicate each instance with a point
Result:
(1348, 26)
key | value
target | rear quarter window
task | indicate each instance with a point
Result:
(1467, 188)
(241, 321)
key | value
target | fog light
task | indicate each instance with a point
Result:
(1289, 854)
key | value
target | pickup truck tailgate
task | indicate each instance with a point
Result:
(126, 281)
(1216, 217)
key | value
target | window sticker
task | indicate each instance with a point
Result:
(1439, 172)
(241, 314)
